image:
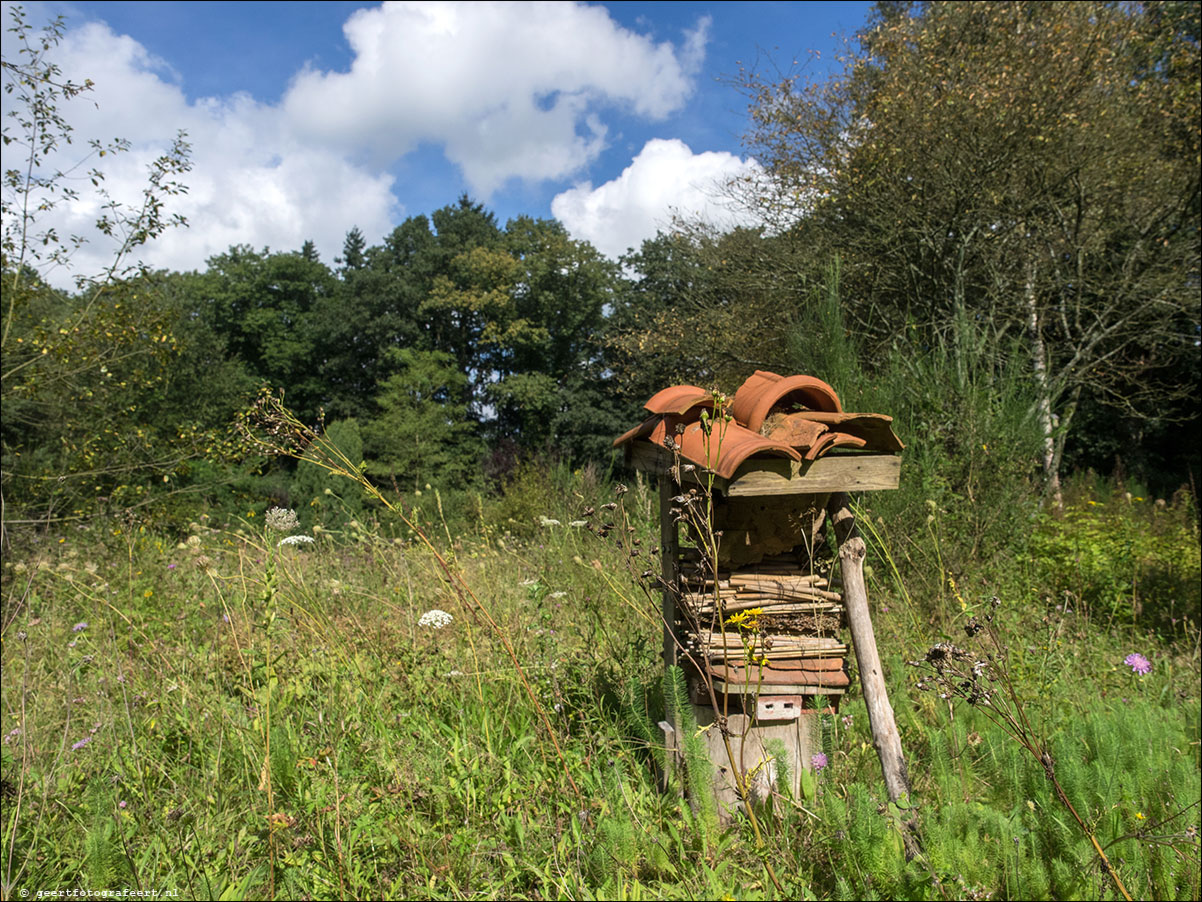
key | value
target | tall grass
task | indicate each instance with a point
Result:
(404, 760)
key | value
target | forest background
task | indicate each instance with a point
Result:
(1027, 215)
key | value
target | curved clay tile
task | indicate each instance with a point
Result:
(763, 390)
(656, 428)
(832, 440)
(679, 399)
(727, 446)
(643, 428)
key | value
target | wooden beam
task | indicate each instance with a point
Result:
(780, 476)
(834, 473)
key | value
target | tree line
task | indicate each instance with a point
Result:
(985, 198)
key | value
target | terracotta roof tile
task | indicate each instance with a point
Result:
(763, 390)
(832, 440)
(762, 404)
(727, 446)
(830, 674)
(793, 430)
(656, 428)
(875, 428)
(679, 399)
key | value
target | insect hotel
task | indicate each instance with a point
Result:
(752, 609)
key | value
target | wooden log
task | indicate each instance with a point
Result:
(777, 606)
(872, 678)
(749, 742)
(770, 579)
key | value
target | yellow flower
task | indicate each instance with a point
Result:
(1139, 815)
(746, 619)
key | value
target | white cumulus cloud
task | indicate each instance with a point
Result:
(666, 179)
(507, 90)
(511, 90)
(252, 182)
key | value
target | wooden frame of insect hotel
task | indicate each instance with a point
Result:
(753, 609)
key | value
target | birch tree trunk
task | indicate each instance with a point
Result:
(1039, 363)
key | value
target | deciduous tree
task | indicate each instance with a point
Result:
(1033, 166)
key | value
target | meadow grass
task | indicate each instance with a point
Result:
(220, 716)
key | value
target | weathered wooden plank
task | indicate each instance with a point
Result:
(779, 476)
(834, 473)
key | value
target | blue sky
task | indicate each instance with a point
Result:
(309, 118)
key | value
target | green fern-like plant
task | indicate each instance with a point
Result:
(103, 862)
(698, 771)
(636, 715)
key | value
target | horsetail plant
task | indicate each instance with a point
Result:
(983, 680)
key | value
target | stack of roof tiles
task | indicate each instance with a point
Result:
(797, 417)
(771, 598)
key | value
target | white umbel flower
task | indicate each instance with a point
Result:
(435, 619)
(295, 540)
(281, 519)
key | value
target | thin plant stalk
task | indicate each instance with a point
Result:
(958, 675)
(287, 436)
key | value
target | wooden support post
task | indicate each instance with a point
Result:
(669, 558)
(669, 551)
(872, 678)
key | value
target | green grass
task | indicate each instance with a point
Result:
(406, 761)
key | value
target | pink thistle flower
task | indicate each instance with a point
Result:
(819, 761)
(1138, 663)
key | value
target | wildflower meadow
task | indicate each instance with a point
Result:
(230, 713)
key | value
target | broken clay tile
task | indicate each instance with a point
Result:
(726, 446)
(832, 440)
(875, 428)
(792, 429)
(679, 399)
(733, 674)
(763, 391)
